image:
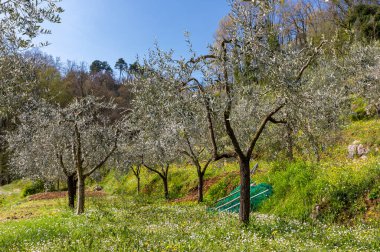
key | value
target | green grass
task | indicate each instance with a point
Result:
(347, 192)
(182, 179)
(340, 190)
(12, 193)
(366, 132)
(127, 224)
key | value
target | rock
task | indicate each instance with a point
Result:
(98, 188)
(356, 149)
(352, 150)
(362, 150)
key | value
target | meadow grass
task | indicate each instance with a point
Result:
(131, 224)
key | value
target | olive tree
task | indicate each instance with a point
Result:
(153, 105)
(168, 109)
(247, 83)
(21, 22)
(75, 141)
(128, 157)
(155, 149)
(41, 147)
(255, 82)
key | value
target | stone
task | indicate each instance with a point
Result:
(352, 150)
(362, 150)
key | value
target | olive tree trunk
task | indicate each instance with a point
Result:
(71, 189)
(81, 194)
(166, 187)
(245, 202)
(200, 186)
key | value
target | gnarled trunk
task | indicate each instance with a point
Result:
(71, 189)
(245, 202)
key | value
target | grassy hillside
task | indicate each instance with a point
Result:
(306, 212)
(338, 189)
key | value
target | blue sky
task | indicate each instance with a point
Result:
(111, 29)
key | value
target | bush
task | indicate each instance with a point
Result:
(359, 107)
(374, 193)
(33, 188)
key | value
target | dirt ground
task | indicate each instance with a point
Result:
(56, 195)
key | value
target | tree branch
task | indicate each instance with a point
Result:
(272, 120)
(101, 163)
(308, 62)
(200, 58)
(206, 165)
(209, 122)
(60, 158)
(267, 118)
(154, 170)
(227, 111)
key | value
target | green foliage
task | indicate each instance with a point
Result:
(359, 109)
(100, 66)
(33, 188)
(365, 19)
(375, 192)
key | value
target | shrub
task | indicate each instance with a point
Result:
(33, 188)
(359, 107)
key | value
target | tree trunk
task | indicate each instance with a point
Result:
(166, 189)
(71, 189)
(289, 142)
(200, 186)
(138, 185)
(81, 191)
(244, 191)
